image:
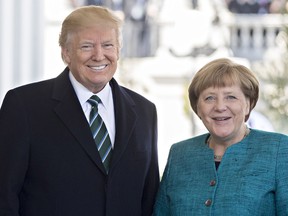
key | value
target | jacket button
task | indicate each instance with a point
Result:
(208, 202)
(212, 183)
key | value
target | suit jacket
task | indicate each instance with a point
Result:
(250, 181)
(49, 164)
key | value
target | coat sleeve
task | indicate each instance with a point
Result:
(14, 150)
(161, 207)
(282, 178)
(152, 179)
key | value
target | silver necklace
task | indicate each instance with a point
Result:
(218, 158)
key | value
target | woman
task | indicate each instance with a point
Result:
(232, 170)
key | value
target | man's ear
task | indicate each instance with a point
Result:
(65, 54)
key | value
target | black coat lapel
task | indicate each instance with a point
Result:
(71, 114)
(125, 119)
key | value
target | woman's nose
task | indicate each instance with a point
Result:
(220, 105)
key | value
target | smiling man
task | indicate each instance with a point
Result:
(79, 144)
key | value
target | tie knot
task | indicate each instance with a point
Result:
(94, 100)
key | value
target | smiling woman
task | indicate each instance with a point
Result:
(222, 94)
(224, 73)
(232, 170)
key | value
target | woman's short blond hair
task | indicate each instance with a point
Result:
(220, 73)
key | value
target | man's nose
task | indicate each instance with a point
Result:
(98, 54)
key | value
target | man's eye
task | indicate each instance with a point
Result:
(86, 47)
(107, 46)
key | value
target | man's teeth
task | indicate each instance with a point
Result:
(98, 67)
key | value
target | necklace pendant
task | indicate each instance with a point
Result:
(217, 157)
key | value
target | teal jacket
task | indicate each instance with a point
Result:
(252, 179)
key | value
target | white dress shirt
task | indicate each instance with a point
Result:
(105, 109)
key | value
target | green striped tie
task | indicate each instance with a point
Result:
(100, 133)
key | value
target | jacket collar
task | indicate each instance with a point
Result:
(71, 114)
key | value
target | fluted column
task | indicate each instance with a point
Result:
(21, 42)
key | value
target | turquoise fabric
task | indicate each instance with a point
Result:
(252, 178)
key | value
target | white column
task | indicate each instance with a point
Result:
(6, 45)
(21, 43)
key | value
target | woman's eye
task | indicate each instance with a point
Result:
(209, 98)
(231, 97)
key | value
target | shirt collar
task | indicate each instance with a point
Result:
(84, 94)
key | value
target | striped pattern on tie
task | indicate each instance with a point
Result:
(99, 132)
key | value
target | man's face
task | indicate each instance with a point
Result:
(91, 55)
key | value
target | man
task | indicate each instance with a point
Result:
(49, 163)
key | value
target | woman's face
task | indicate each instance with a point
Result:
(223, 111)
